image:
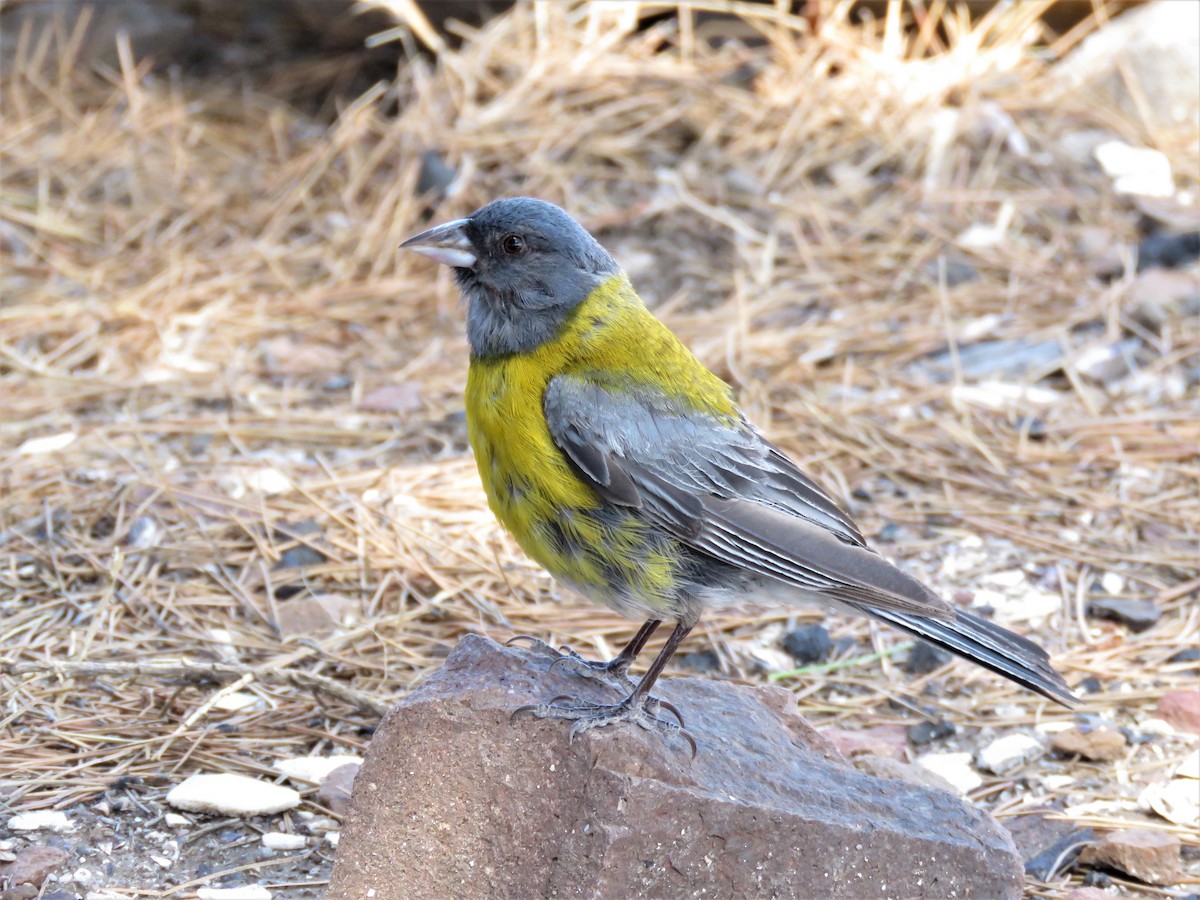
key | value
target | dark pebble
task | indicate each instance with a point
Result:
(808, 644)
(300, 556)
(844, 645)
(927, 732)
(1168, 251)
(1090, 685)
(889, 533)
(703, 661)
(1046, 865)
(1097, 879)
(337, 383)
(1191, 654)
(435, 175)
(1135, 737)
(1035, 426)
(924, 658)
(861, 493)
(1136, 615)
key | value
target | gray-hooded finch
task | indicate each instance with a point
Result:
(623, 466)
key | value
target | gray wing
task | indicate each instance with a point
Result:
(723, 490)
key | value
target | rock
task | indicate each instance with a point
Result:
(886, 767)
(1159, 296)
(393, 398)
(927, 732)
(1180, 709)
(232, 795)
(318, 615)
(1189, 766)
(1167, 250)
(890, 741)
(924, 658)
(701, 661)
(808, 644)
(1096, 744)
(278, 840)
(1008, 753)
(1158, 47)
(455, 798)
(1136, 615)
(1089, 893)
(245, 892)
(1035, 832)
(42, 820)
(1147, 854)
(954, 767)
(1177, 801)
(334, 793)
(1047, 864)
(31, 866)
(1190, 655)
(315, 769)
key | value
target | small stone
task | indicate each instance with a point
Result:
(278, 840)
(1190, 655)
(924, 658)
(232, 795)
(42, 820)
(246, 892)
(954, 767)
(1167, 250)
(175, 820)
(335, 790)
(315, 769)
(703, 661)
(808, 644)
(32, 865)
(1090, 685)
(1136, 615)
(300, 556)
(1177, 801)
(1097, 744)
(1089, 893)
(393, 398)
(318, 615)
(435, 175)
(1189, 767)
(1008, 753)
(889, 741)
(1059, 856)
(1180, 708)
(927, 732)
(1147, 854)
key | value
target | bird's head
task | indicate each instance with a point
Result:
(523, 265)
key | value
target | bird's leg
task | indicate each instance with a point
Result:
(614, 673)
(638, 707)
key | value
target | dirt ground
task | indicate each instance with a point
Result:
(238, 513)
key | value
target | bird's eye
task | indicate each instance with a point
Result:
(513, 244)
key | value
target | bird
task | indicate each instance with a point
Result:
(624, 467)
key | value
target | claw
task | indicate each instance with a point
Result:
(586, 716)
(670, 707)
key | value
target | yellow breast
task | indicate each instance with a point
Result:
(607, 552)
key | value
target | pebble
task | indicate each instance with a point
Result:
(175, 820)
(32, 865)
(232, 795)
(927, 732)
(1181, 709)
(246, 892)
(1008, 753)
(42, 820)
(314, 769)
(1096, 744)
(334, 792)
(1136, 615)
(954, 767)
(1147, 854)
(278, 840)
(808, 644)
(1190, 655)
(924, 658)
(1177, 801)
(1189, 766)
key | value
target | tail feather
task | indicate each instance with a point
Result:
(989, 645)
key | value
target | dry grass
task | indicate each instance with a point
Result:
(201, 289)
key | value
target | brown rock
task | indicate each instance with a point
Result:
(401, 398)
(890, 741)
(456, 799)
(334, 792)
(1147, 854)
(1097, 744)
(1089, 893)
(1182, 709)
(886, 767)
(31, 867)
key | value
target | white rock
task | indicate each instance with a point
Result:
(954, 767)
(232, 795)
(1008, 579)
(1008, 753)
(1190, 766)
(42, 820)
(278, 840)
(1001, 395)
(1099, 808)
(1058, 782)
(235, 701)
(314, 768)
(269, 480)
(321, 825)
(1177, 801)
(333, 837)
(247, 892)
(1112, 583)
(1157, 728)
(1136, 170)
(175, 820)
(1033, 607)
(47, 444)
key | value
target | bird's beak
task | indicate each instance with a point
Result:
(447, 244)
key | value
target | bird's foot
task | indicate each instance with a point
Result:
(605, 672)
(641, 711)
